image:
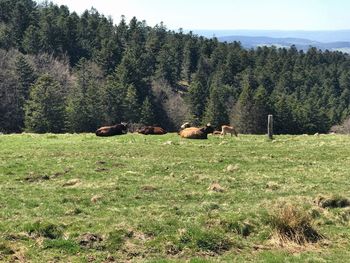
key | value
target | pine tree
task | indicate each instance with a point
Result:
(232, 67)
(197, 97)
(283, 114)
(20, 19)
(198, 92)
(147, 113)
(132, 105)
(26, 77)
(216, 111)
(11, 117)
(167, 67)
(190, 59)
(45, 110)
(243, 113)
(31, 39)
(85, 109)
(260, 110)
(114, 101)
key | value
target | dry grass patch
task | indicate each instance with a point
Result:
(216, 187)
(272, 186)
(5, 249)
(96, 198)
(293, 225)
(231, 168)
(71, 182)
(148, 188)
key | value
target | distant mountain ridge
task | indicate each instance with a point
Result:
(332, 40)
(300, 43)
(324, 36)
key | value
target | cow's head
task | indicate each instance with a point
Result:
(124, 126)
(185, 125)
(208, 129)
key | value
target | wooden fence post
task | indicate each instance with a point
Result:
(270, 127)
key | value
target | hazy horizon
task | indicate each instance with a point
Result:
(315, 35)
(287, 15)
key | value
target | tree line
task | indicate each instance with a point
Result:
(61, 72)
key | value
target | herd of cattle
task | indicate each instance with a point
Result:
(186, 130)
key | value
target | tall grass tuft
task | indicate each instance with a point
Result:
(292, 224)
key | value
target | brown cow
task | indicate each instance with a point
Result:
(152, 130)
(117, 129)
(197, 133)
(228, 129)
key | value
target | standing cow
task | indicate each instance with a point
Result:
(117, 129)
(228, 129)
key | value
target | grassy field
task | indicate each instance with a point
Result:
(135, 198)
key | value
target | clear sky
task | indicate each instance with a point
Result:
(225, 14)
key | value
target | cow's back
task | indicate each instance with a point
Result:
(193, 133)
(159, 131)
(117, 129)
(149, 130)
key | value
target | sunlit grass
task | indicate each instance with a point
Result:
(77, 197)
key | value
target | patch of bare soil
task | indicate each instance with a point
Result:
(149, 188)
(89, 240)
(332, 201)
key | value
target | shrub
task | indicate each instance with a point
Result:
(343, 128)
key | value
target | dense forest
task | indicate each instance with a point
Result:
(61, 72)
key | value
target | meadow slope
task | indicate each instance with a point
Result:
(135, 198)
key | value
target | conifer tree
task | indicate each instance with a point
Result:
(85, 109)
(132, 105)
(216, 110)
(45, 109)
(197, 97)
(31, 39)
(114, 101)
(243, 112)
(147, 113)
(26, 78)
(285, 112)
(260, 110)
(190, 59)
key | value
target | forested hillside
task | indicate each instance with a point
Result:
(61, 72)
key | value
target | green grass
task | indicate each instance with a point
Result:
(80, 198)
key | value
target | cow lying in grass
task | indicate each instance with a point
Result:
(228, 129)
(117, 129)
(152, 130)
(196, 133)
